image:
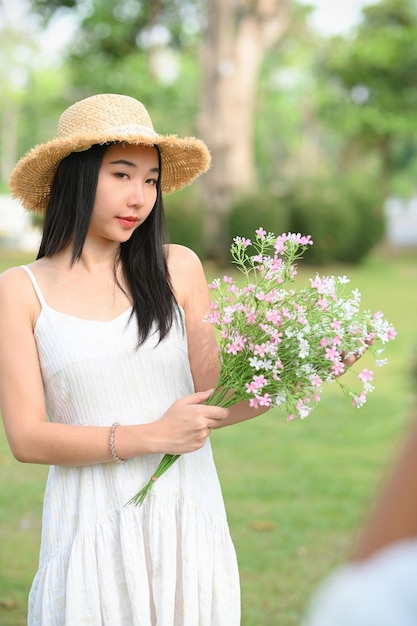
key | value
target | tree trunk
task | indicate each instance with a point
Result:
(239, 33)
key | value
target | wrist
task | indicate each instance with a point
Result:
(135, 440)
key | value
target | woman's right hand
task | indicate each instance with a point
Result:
(185, 426)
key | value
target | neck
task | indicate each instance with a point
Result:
(94, 258)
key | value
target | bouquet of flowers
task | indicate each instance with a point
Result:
(279, 346)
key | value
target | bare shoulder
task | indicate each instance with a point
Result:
(16, 294)
(182, 258)
(13, 279)
(184, 264)
(186, 273)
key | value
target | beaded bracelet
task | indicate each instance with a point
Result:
(112, 444)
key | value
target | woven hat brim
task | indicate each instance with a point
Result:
(183, 160)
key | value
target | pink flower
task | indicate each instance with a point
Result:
(276, 337)
(337, 368)
(233, 348)
(366, 375)
(227, 279)
(360, 400)
(331, 354)
(237, 344)
(280, 244)
(315, 283)
(315, 380)
(274, 316)
(256, 383)
(302, 409)
(213, 317)
(260, 349)
(336, 324)
(250, 317)
(391, 333)
(276, 265)
(260, 232)
(323, 304)
(265, 400)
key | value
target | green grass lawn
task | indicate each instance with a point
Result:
(295, 491)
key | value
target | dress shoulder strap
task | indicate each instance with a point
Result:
(35, 284)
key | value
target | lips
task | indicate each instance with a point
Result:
(128, 222)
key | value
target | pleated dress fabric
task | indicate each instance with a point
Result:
(169, 562)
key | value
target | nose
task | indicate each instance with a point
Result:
(137, 195)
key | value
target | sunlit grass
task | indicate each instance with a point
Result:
(295, 491)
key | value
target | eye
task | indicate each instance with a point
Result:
(152, 181)
(121, 175)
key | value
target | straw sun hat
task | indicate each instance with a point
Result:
(97, 120)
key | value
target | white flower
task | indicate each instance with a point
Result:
(304, 349)
(304, 411)
(343, 280)
(256, 363)
(280, 398)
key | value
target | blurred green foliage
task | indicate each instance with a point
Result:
(335, 127)
(370, 98)
(185, 215)
(255, 210)
(343, 215)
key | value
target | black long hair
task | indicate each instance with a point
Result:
(142, 257)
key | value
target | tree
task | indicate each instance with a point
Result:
(123, 39)
(126, 46)
(372, 99)
(239, 33)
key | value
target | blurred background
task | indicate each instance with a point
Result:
(309, 110)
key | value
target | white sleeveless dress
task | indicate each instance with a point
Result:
(169, 562)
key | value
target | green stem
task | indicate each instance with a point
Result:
(220, 397)
(165, 463)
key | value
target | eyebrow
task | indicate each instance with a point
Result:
(131, 164)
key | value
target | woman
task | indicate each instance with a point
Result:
(105, 366)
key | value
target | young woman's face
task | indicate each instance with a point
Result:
(126, 191)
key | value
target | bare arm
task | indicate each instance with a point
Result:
(32, 438)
